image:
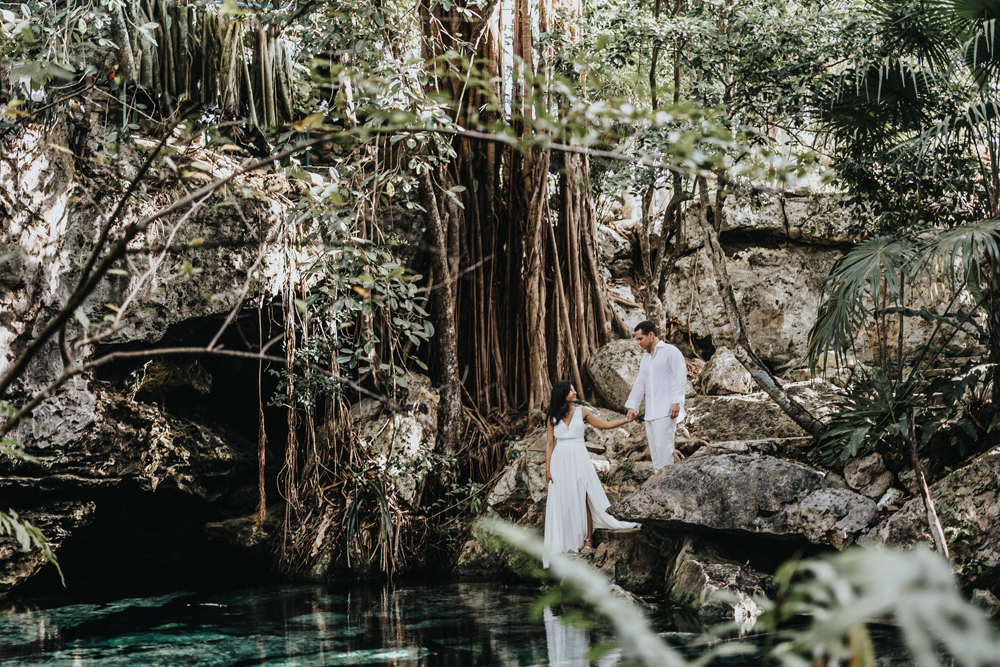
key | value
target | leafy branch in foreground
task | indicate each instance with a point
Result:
(839, 594)
(845, 591)
(29, 537)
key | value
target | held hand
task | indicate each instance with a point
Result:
(630, 417)
(548, 476)
(675, 410)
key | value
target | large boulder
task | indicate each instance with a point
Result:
(778, 254)
(631, 559)
(754, 416)
(968, 504)
(614, 368)
(777, 288)
(724, 374)
(700, 572)
(819, 220)
(747, 494)
(135, 443)
(868, 476)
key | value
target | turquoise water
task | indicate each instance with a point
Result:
(446, 624)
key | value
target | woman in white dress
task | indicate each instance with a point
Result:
(576, 501)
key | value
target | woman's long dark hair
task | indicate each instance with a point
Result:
(559, 406)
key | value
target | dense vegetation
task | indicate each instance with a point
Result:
(452, 158)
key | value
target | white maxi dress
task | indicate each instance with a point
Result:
(574, 482)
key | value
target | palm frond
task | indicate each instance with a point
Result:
(974, 10)
(874, 269)
(927, 30)
(941, 142)
(873, 107)
(981, 53)
(955, 255)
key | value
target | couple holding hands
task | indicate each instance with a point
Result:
(576, 500)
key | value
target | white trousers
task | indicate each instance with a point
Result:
(660, 435)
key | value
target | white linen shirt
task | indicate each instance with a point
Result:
(662, 380)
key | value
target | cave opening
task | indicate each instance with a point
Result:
(213, 390)
(143, 543)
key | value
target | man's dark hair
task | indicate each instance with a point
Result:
(646, 328)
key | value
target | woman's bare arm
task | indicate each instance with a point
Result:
(597, 422)
(550, 443)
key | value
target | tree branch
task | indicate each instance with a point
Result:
(70, 373)
(118, 250)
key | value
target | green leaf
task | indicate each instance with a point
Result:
(82, 318)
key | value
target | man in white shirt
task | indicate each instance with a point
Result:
(662, 381)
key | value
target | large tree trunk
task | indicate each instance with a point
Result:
(450, 406)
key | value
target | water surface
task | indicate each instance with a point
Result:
(433, 625)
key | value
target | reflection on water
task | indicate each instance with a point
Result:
(569, 646)
(439, 625)
(458, 624)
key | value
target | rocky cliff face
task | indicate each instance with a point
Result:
(118, 429)
(779, 251)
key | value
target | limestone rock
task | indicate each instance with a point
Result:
(889, 498)
(861, 472)
(700, 573)
(750, 417)
(486, 557)
(621, 268)
(136, 442)
(626, 305)
(160, 374)
(525, 475)
(244, 532)
(778, 283)
(613, 442)
(868, 476)
(90, 438)
(778, 289)
(631, 559)
(908, 477)
(968, 505)
(56, 520)
(614, 368)
(986, 601)
(612, 244)
(749, 494)
(836, 516)
(625, 594)
(818, 220)
(761, 213)
(402, 440)
(790, 448)
(724, 374)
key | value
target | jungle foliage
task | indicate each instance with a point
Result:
(448, 172)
